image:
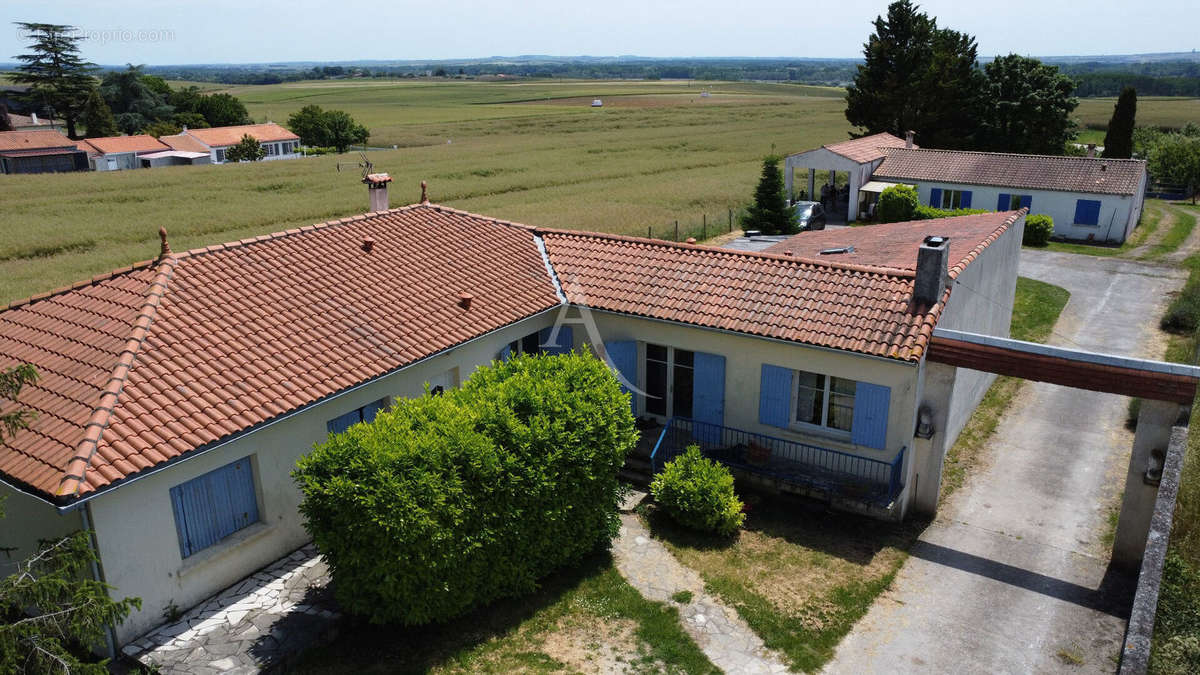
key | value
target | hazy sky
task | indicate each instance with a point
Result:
(160, 32)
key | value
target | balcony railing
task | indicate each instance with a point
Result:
(837, 474)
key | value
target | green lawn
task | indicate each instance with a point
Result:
(1166, 111)
(650, 157)
(1182, 221)
(584, 620)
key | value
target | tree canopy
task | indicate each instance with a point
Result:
(135, 103)
(1175, 158)
(1118, 140)
(1030, 106)
(336, 128)
(97, 117)
(59, 79)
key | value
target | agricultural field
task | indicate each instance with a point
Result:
(1159, 111)
(533, 152)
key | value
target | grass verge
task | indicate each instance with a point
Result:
(1185, 221)
(1036, 308)
(585, 619)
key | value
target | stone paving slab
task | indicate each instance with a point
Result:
(717, 629)
(250, 626)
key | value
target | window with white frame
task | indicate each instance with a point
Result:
(824, 401)
(952, 199)
(220, 154)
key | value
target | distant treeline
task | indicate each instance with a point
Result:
(1099, 78)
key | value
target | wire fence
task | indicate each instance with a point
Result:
(704, 226)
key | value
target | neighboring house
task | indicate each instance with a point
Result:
(1089, 198)
(39, 152)
(277, 142)
(176, 395)
(116, 153)
(32, 122)
(173, 158)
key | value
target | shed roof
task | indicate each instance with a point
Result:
(107, 145)
(864, 149)
(30, 140)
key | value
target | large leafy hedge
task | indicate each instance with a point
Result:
(446, 503)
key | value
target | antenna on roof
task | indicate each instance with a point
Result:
(365, 165)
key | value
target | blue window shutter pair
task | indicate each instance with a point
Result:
(1087, 212)
(343, 422)
(622, 355)
(1004, 202)
(708, 396)
(966, 200)
(775, 396)
(213, 506)
(1026, 201)
(870, 423)
(935, 198)
(564, 341)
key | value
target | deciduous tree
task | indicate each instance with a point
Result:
(135, 103)
(59, 79)
(1030, 106)
(1118, 140)
(1176, 159)
(247, 150)
(97, 118)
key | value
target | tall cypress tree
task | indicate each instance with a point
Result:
(1118, 140)
(58, 78)
(770, 212)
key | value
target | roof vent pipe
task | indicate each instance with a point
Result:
(933, 263)
(908, 138)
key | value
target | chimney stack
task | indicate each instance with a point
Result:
(33, 116)
(164, 247)
(908, 138)
(933, 263)
(1091, 150)
(377, 187)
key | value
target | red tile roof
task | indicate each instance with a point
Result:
(154, 361)
(184, 143)
(30, 140)
(867, 148)
(120, 144)
(205, 344)
(1033, 172)
(218, 137)
(894, 246)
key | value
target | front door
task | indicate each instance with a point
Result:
(670, 379)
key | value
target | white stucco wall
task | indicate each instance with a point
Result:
(135, 524)
(1118, 214)
(26, 521)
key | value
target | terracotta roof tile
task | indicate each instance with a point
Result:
(1033, 172)
(33, 140)
(184, 143)
(120, 144)
(223, 136)
(865, 149)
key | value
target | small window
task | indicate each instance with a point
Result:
(952, 199)
(220, 154)
(214, 506)
(823, 400)
(366, 413)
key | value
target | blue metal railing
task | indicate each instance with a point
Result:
(837, 473)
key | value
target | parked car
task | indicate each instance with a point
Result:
(809, 215)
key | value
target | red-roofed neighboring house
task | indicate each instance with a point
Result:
(277, 142)
(116, 153)
(32, 122)
(39, 152)
(220, 366)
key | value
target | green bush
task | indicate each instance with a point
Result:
(1183, 315)
(446, 503)
(1038, 228)
(897, 204)
(698, 493)
(923, 212)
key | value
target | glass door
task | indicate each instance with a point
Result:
(669, 381)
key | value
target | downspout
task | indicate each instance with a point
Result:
(110, 635)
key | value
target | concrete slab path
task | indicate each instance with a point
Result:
(717, 629)
(1013, 576)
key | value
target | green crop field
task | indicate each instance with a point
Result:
(1163, 111)
(533, 152)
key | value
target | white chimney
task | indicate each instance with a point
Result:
(377, 191)
(908, 138)
(33, 116)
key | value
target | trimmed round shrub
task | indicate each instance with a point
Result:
(698, 493)
(446, 503)
(1038, 228)
(897, 204)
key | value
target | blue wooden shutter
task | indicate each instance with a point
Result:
(870, 423)
(564, 341)
(775, 396)
(213, 506)
(1087, 212)
(1004, 202)
(622, 355)
(935, 198)
(966, 200)
(708, 396)
(1026, 201)
(505, 352)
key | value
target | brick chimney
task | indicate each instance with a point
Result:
(1091, 150)
(933, 263)
(377, 191)
(908, 138)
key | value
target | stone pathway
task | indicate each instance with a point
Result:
(250, 626)
(718, 630)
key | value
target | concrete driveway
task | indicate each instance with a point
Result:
(1013, 577)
